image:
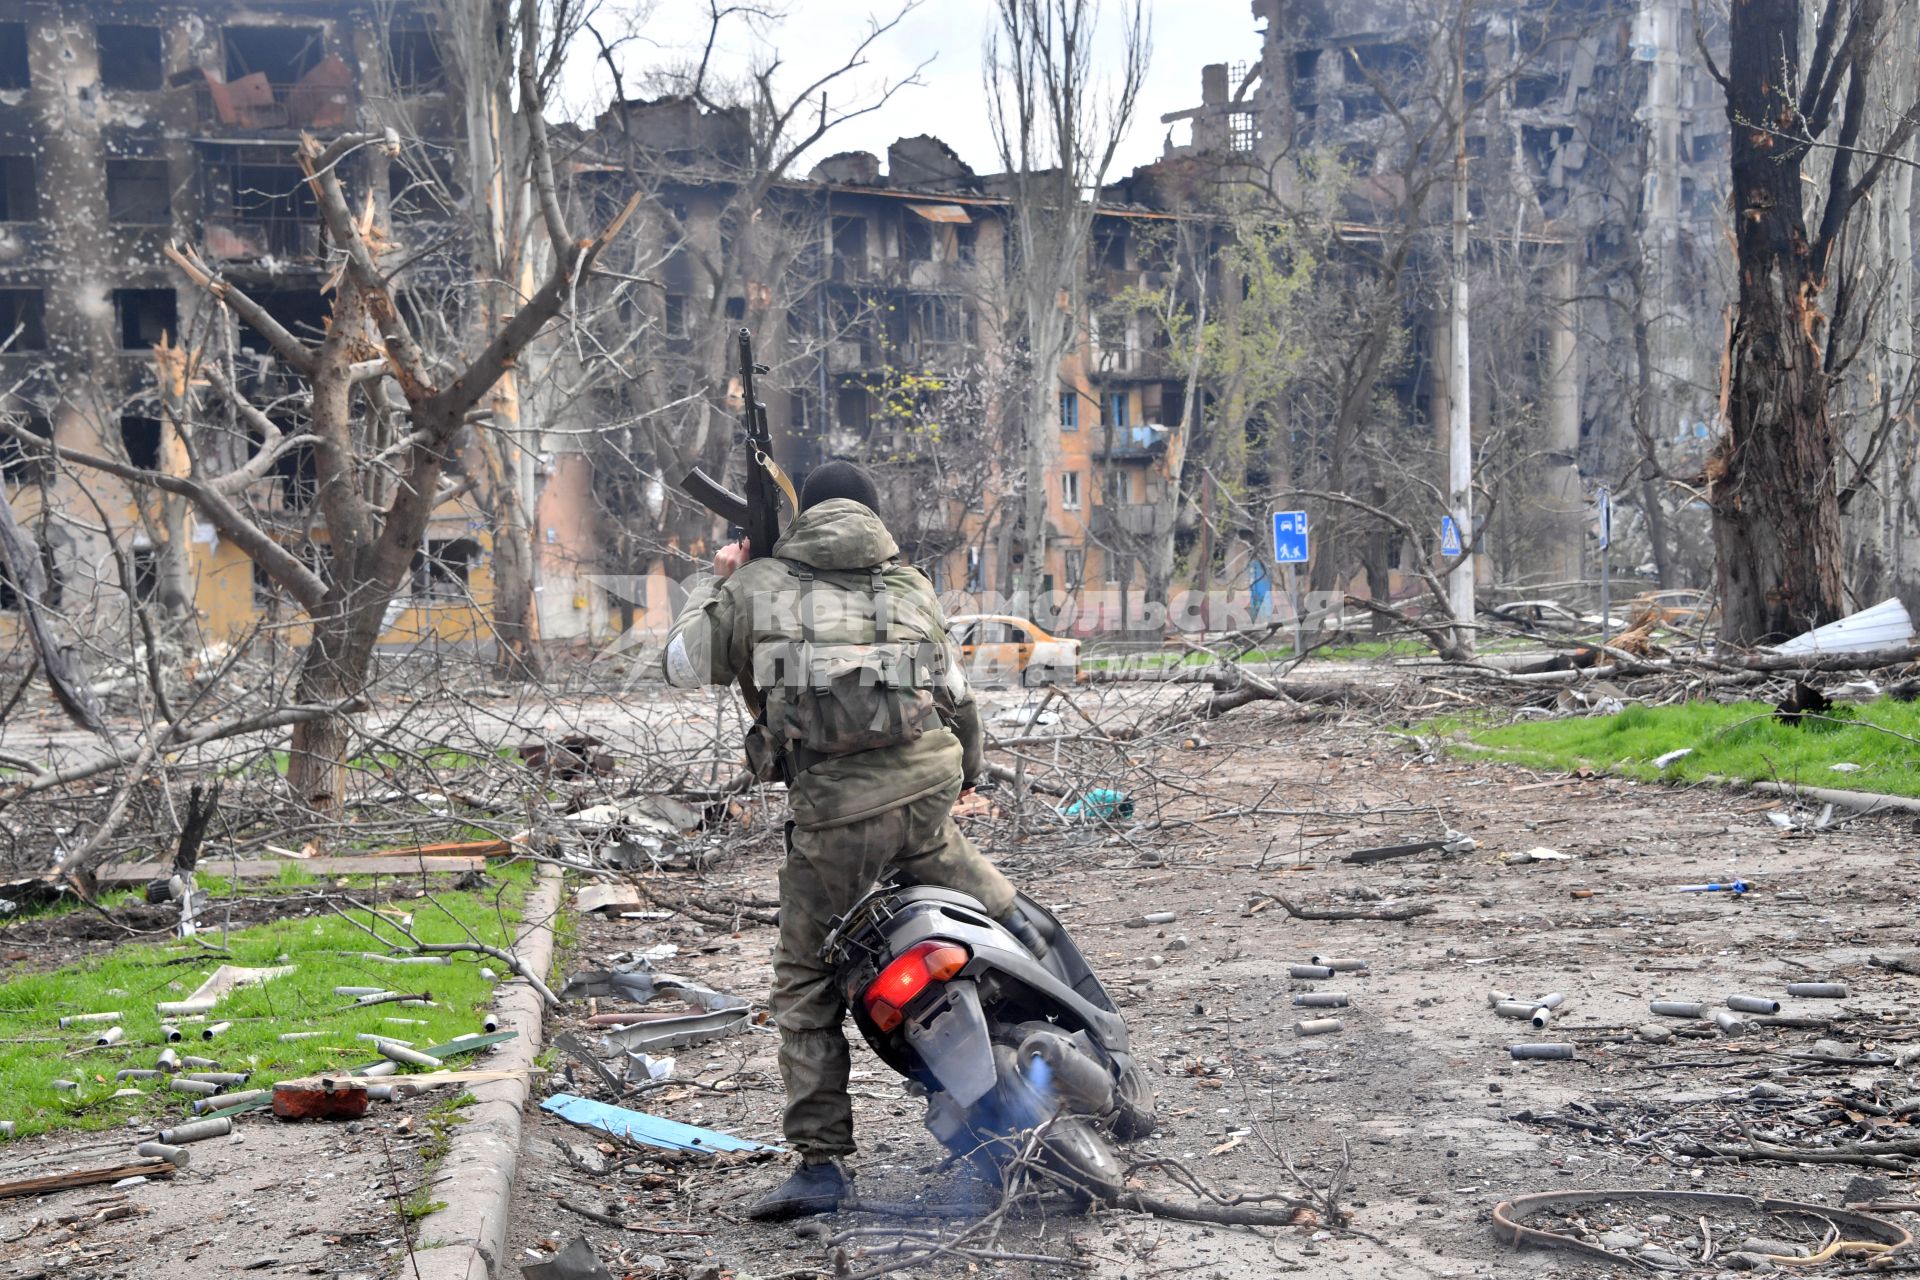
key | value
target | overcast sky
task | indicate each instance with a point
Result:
(816, 35)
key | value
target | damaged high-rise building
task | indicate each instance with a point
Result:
(1596, 145)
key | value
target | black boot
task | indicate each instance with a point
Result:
(814, 1187)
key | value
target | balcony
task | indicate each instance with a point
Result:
(323, 99)
(849, 269)
(849, 356)
(1129, 444)
(941, 356)
(1119, 364)
(1131, 519)
(238, 239)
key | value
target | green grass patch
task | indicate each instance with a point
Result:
(442, 1118)
(1741, 741)
(1373, 650)
(325, 952)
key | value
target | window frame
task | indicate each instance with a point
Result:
(1071, 493)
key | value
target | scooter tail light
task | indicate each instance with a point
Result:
(910, 973)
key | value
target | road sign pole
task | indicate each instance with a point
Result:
(1604, 500)
(1293, 595)
(1606, 595)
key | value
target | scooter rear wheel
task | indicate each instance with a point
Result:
(1133, 1116)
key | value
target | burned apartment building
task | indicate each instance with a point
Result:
(877, 291)
(126, 127)
(1597, 144)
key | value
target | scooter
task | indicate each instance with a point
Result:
(1015, 1053)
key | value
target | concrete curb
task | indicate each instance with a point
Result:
(1865, 801)
(466, 1239)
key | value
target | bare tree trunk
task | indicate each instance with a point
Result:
(317, 763)
(515, 622)
(1056, 138)
(1377, 555)
(1650, 471)
(1776, 515)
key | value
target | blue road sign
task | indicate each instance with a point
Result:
(1290, 537)
(1449, 537)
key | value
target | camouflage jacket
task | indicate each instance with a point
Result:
(725, 622)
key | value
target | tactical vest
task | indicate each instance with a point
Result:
(848, 671)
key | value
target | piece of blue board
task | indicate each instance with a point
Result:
(655, 1131)
(1449, 537)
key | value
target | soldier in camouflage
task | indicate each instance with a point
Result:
(869, 714)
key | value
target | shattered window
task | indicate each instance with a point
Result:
(851, 407)
(17, 462)
(850, 238)
(144, 316)
(146, 574)
(301, 312)
(440, 570)
(23, 319)
(294, 474)
(281, 54)
(916, 240)
(19, 190)
(423, 186)
(140, 435)
(139, 193)
(413, 56)
(13, 56)
(129, 56)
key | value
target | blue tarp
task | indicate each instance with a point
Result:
(655, 1131)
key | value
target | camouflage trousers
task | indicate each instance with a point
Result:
(826, 872)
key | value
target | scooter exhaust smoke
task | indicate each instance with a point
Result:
(1075, 1077)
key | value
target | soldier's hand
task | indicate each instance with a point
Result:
(730, 557)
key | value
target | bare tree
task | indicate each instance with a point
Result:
(1056, 134)
(383, 420)
(1774, 487)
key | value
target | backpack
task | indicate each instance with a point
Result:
(863, 675)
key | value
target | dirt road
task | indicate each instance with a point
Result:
(1414, 1111)
(1440, 1123)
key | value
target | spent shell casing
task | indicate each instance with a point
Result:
(1678, 1008)
(1321, 999)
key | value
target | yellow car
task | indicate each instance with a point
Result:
(999, 649)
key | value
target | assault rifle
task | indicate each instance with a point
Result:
(756, 514)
